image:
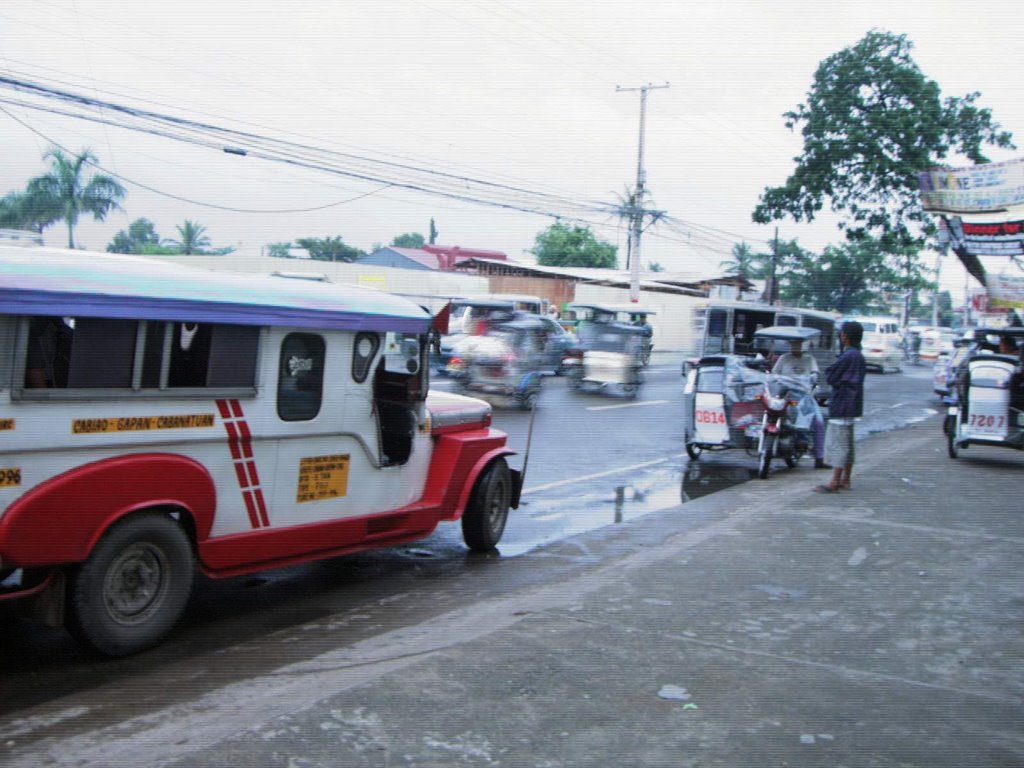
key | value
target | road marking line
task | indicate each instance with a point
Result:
(596, 475)
(625, 405)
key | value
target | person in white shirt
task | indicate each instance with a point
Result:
(795, 363)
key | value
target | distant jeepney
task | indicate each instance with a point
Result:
(156, 419)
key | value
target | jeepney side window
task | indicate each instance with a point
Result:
(364, 350)
(102, 353)
(106, 355)
(300, 377)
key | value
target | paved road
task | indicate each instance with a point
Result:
(596, 461)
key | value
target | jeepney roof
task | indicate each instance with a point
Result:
(52, 281)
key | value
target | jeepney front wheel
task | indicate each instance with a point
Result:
(133, 588)
(483, 522)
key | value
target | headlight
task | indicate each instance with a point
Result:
(776, 403)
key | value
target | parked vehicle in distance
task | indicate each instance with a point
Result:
(936, 341)
(882, 345)
(164, 418)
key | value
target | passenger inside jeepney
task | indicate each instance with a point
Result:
(48, 353)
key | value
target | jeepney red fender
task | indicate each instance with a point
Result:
(458, 460)
(60, 520)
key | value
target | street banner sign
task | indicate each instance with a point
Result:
(988, 188)
(1005, 238)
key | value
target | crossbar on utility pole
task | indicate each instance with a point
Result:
(638, 196)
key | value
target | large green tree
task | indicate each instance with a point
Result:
(329, 248)
(71, 190)
(852, 276)
(871, 122)
(563, 246)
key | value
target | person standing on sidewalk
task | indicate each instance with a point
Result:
(845, 405)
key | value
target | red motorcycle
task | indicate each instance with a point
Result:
(781, 437)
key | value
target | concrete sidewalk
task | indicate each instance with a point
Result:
(876, 627)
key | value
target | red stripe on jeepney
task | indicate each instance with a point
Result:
(236, 453)
(261, 504)
(246, 443)
(254, 519)
(240, 445)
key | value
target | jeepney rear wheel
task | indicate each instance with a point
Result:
(483, 522)
(133, 588)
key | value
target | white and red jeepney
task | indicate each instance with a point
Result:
(155, 418)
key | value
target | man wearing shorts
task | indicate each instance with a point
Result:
(845, 405)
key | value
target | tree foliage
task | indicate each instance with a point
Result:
(140, 234)
(563, 246)
(192, 238)
(409, 240)
(329, 249)
(28, 210)
(871, 122)
(280, 250)
(851, 276)
(745, 263)
(69, 191)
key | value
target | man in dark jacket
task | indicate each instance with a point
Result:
(845, 405)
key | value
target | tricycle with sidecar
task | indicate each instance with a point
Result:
(986, 404)
(506, 365)
(609, 355)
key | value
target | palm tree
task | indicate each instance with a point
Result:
(68, 193)
(744, 263)
(193, 238)
(630, 207)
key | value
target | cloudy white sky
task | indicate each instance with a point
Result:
(519, 93)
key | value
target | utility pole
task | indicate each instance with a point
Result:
(636, 227)
(773, 293)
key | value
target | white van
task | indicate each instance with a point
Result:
(882, 345)
(156, 419)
